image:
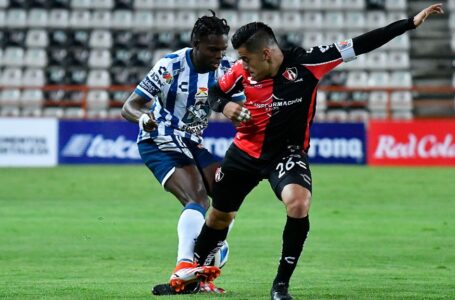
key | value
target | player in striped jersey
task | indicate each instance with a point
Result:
(170, 105)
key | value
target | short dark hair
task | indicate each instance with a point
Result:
(207, 25)
(253, 36)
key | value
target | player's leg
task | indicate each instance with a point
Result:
(186, 184)
(210, 172)
(174, 166)
(237, 176)
(208, 166)
(232, 184)
(189, 227)
(291, 181)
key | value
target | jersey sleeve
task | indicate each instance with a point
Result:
(226, 64)
(322, 59)
(231, 81)
(155, 80)
(380, 36)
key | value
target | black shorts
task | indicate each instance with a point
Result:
(240, 173)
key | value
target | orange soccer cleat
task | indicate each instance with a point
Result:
(210, 287)
(187, 272)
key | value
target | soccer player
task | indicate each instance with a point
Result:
(272, 140)
(169, 141)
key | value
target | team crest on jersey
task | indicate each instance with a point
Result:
(290, 73)
(202, 92)
(344, 45)
(168, 77)
(218, 175)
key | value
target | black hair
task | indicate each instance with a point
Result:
(207, 25)
(253, 36)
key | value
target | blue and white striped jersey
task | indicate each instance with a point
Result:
(180, 107)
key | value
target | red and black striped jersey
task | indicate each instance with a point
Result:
(282, 108)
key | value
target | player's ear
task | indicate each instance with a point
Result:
(267, 53)
(195, 44)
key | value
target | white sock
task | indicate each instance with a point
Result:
(188, 229)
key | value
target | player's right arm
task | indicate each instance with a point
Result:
(136, 107)
(220, 95)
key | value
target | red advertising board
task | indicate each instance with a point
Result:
(411, 143)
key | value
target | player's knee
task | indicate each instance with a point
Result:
(219, 220)
(297, 201)
(298, 208)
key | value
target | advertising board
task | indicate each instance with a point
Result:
(28, 142)
(412, 143)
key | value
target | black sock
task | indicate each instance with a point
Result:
(294, 235)
(207, 244)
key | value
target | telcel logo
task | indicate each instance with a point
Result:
(100, 147)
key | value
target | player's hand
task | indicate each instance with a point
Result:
(424, 14)
(147, 122)
(236, 112)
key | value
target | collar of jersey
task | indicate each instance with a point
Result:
(188, 59)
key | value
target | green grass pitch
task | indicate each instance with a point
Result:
(109, 232)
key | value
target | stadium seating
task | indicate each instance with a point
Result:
(73, 113)
(53, 112)
(34, 77)
(290, 5)
(103, 42)
(97, 100)
(37, 38)
(336, 115)
(32, 100)
(401, 101)
(379, 79)
(11, 77)
(10, 98)
(357, 79)
(37, 18)
(355, 20)
(358, 115)
(396, 5)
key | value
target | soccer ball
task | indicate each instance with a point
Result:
(221, 257)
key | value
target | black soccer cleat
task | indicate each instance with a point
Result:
(280, 291)
(165, 289)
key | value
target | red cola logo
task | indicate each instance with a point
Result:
(426, 146)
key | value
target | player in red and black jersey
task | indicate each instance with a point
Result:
(272, 137)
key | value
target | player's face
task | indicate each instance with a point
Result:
(255, 63)
(208, 51)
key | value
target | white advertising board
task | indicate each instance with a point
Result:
(28, 142)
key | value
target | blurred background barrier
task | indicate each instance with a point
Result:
(44, 142)
(78, 60)
(99, 142)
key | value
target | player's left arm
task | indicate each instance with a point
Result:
(224, 102)
(227, 97)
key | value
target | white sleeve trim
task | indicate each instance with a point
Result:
(145, 92)
(346, 49)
